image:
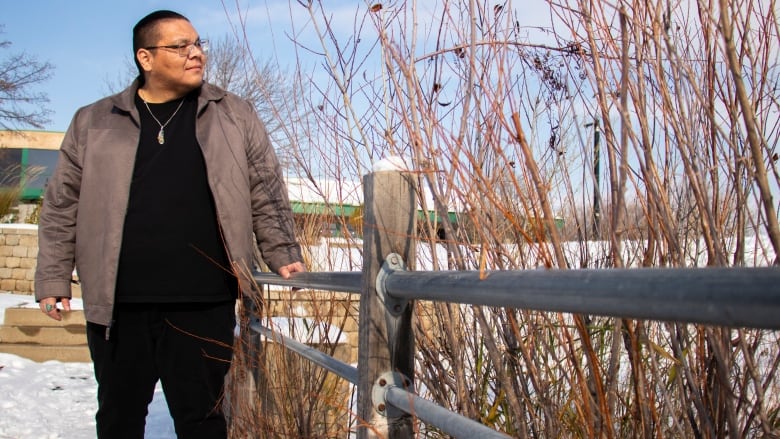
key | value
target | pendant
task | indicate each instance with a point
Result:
(161, 136)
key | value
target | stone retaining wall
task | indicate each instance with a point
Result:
(18, 255)
(18, 251)
(316, 317)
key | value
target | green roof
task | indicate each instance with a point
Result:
(349, 210)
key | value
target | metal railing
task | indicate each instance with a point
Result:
(733, 297)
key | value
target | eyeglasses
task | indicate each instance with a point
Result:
(184, 49)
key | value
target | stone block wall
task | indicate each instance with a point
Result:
(18, 256)
(18, 252)
(325, 314)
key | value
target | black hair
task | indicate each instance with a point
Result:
(145, 33)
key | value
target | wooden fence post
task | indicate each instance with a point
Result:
(386, 345)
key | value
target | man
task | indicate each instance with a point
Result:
(155, 198)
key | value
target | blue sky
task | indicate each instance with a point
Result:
(89, 41)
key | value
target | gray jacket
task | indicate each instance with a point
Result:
(85, 202)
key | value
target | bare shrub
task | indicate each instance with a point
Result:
(492, 123)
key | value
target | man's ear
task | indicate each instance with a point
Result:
(145, 59)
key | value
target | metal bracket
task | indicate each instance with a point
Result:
(378, 391)
(393, 262)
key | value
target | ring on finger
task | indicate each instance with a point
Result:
(49, 307)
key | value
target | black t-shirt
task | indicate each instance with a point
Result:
(172, 249)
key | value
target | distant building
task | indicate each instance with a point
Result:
(27, 159)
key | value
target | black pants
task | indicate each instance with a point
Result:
(188, 347)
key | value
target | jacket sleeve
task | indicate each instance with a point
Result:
(57, 221)
(272, 219)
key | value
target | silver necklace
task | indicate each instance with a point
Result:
(161, 133)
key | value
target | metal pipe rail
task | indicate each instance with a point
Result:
(343, 281)
(745, 297)
(734, 297)
(325, 361)
(451, 423)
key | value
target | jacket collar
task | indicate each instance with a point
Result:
(125, 100)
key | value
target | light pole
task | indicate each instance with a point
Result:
(596, 173)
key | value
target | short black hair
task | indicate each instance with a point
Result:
(145, 33)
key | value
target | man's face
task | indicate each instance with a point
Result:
(171, 69)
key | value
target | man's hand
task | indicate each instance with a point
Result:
(49, 306)
(287, 270)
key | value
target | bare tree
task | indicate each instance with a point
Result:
(20, 104)
(233, 67)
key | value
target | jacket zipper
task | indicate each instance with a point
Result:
(108, 329)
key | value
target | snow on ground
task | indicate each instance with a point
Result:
(54, 400)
